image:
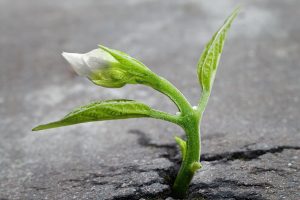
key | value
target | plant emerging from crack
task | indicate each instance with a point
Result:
(113, 69)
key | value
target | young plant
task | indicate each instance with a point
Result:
(113, 69)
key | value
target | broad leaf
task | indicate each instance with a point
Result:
(209, 60)
(102, 110)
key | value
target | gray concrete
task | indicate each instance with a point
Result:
(250, 129)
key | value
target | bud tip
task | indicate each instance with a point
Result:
(76, 61)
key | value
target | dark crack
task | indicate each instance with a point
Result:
(217, 189)
(212, 190)
(169, 174)
(145, 141)
(245, 155)
(171, 153)
(205, 190)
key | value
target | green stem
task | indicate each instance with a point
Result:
(189, 120)
(191, 125)
(191, 163)
(164, 116)
(203, 102)
(164, 86)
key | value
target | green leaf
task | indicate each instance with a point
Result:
(125, 59)
(102, 110)
(182, 145)
(112, 77)
(209, 60)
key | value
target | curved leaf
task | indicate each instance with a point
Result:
(182, 145)
(209, 60)
(125, 59)
(102, 110)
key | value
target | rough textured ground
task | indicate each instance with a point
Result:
(251, 129)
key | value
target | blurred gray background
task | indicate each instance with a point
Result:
(254, 103)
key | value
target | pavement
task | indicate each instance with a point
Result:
(250, 130)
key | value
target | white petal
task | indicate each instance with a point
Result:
(76, 61)
(98, 59)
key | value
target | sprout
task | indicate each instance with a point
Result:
(112, 68)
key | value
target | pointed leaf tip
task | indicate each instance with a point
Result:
(38, 128)
(35, 129)
(99, 111)
(209, 60)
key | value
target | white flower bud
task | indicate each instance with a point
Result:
(107, 67)
(89, 63)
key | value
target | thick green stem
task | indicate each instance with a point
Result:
(191, 162)
(189, 120)
(191, 125)
(164, 86)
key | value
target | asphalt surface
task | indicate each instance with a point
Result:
(250, 130)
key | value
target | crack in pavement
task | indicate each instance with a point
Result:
(245, 155)
(208, 193)
(172, 154)
(128, 187)
(145, 141)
